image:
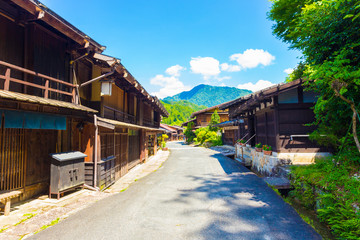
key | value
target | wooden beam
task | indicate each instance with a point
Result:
(52, 21)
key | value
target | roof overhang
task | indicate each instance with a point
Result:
(20, 97)
(123, 73)
(102, 121)
(43, 13)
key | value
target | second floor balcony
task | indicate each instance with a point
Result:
(18, 79)
(118, 115)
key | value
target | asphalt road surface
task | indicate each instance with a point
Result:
(196, 194)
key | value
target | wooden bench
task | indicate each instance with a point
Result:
(5, 198)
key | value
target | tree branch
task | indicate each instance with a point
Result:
(335, 87)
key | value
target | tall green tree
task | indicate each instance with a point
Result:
(327, 32)
(190, 135)
(215, 119)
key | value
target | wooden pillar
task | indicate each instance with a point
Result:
(155, 144)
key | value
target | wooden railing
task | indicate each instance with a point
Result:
(147, 122)
(8, 80)
(118, 115)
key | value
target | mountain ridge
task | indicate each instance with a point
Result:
(208, 95)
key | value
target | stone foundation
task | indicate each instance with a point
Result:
(269, 165)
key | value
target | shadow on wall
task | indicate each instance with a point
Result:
(239, 205)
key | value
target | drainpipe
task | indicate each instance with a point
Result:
(96, 151)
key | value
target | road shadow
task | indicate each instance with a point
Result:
(239, 205)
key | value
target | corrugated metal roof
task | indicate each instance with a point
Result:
(43, 101)
(128, 125)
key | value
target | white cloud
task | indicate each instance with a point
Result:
(223, 78)
(230, 68)
(261, 84)
(288, 70)
(206, 66)
(252, 58)
(170, 85)
(174, 70)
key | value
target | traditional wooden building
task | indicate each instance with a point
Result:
(171, 131)
(185, 124)
(180, 132)
(127, 123)
(277, 116)
(203, 117)
(58, 93)
(39, 99)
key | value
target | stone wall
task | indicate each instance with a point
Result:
(269, 165)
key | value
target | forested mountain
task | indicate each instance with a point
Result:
(209, 95)
(179, 111)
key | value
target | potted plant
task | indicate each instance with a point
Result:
(241, 142)
(267, 150)
(258, 147)
(163, 143)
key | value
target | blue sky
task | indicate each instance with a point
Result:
(172, 46)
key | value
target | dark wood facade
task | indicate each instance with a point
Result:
(278, 116)
(44, 108)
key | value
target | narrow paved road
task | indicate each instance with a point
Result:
(196, 194)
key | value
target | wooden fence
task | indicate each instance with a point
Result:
(12, 159)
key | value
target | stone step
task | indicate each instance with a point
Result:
(278, 182)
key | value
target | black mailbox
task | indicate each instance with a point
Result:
(67, 172)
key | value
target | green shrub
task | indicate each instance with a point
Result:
(163, 137)
(333, 190)
(206, 135)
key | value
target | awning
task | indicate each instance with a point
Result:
(126, 125)
(235, 122)
(33, 120)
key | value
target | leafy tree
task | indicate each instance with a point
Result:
(327, 32)
(215, 119)
(190, 135)
(180, 111)
(297, 73)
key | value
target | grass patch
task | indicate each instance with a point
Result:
(48, 225)
(27, 217)
(22, 236)
(3, 229)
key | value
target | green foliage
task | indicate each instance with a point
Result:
(208, 136)
(189, 134)
(333, 190)
(327, 32)
(258, 145)
(163, 137)
(209, 95)
(215, 119)
(241, 141)
(299, 72)
(180, 111)
(267, 148)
